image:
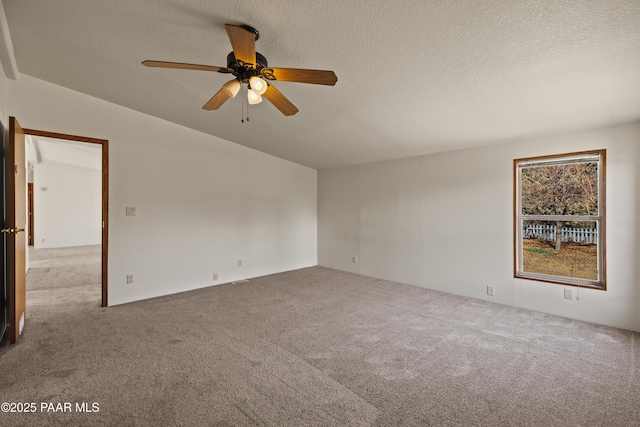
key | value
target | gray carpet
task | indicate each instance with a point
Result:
(312, 347)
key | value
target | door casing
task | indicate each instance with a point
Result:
(105, 197)
(30, 212)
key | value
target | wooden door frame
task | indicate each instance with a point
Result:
(30, 210)
(105, 197)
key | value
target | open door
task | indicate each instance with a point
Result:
(14, 229)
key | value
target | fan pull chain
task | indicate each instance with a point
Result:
(242, 95)
(246, 99)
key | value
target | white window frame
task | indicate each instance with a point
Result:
(519, 218)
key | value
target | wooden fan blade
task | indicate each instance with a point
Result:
(217, 100)
(243, 43)
(279, 101)
(183, 66)
(316, 77)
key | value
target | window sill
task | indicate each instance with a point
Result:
(600, 286)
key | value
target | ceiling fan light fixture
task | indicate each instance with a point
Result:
(250, 68)
(232, 87)
(258, 85)
(253, 97)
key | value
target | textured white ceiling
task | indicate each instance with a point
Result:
(414, 76)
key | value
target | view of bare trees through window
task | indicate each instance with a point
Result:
(565, 244)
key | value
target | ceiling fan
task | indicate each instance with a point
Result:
(250, 68)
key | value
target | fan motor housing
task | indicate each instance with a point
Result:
(245, 71)
(261, 61)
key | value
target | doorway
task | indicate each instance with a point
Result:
(103, 149)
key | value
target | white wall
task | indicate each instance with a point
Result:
(445, 222)
(202, 202)
(69, 211)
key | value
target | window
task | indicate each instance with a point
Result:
(560, 219)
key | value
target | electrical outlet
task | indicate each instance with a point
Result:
(239, 263)
(354, 259)
(491, 291)
(215, 276)
(568, 293)
(131, 211)
(129, 279)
